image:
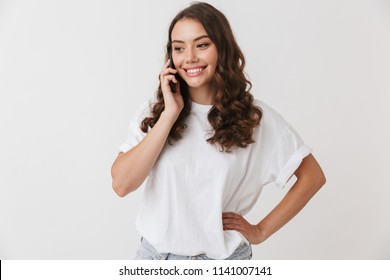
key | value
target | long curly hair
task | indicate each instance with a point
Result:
(233, 116)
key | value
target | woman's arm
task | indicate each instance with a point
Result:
(310, 180)
(130, 169)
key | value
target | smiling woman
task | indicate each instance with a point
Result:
(207, 149)
(203, 43)
(195, 57)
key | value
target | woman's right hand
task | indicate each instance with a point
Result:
(173, 101)
(130, 169)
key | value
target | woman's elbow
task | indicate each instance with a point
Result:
(118, 190)
(321, 179)
(318, 177)
(121, 189)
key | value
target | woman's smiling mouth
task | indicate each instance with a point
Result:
(192, 72)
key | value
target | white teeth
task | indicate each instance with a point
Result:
(193, 71)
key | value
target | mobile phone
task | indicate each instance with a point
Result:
(172, 65)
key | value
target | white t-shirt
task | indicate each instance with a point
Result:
(193, 183)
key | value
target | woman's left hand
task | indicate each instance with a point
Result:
(233, 221)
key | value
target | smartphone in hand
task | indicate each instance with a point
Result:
(172, 65)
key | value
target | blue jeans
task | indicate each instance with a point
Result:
(147, 252)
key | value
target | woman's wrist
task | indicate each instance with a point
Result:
(262, 234)
(168, 117)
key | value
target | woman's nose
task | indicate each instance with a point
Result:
(191, 56)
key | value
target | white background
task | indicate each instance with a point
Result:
(73, 72)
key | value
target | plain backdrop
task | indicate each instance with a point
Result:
(73, 72)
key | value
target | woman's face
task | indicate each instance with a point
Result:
(195, 56)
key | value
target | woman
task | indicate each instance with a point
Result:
(208, 148)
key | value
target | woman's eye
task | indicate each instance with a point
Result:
(203, 45)
(177, 49)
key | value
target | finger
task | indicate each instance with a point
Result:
(240, 226)
(167, 63)
(229, 221)
(166, 83)
(167, 72)
(237, 220)
(231, 215)
(165, 67)
(169, 78)
(237, 227)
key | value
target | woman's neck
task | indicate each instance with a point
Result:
(202, 95)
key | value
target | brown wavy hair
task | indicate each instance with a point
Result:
(233, 116)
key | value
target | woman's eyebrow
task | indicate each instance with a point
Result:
(196, 39)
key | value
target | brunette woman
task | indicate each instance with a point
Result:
(207, 148)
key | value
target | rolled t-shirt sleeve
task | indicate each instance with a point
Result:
(286, 157)
(135, 134)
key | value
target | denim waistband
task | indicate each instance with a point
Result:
(148, 252)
